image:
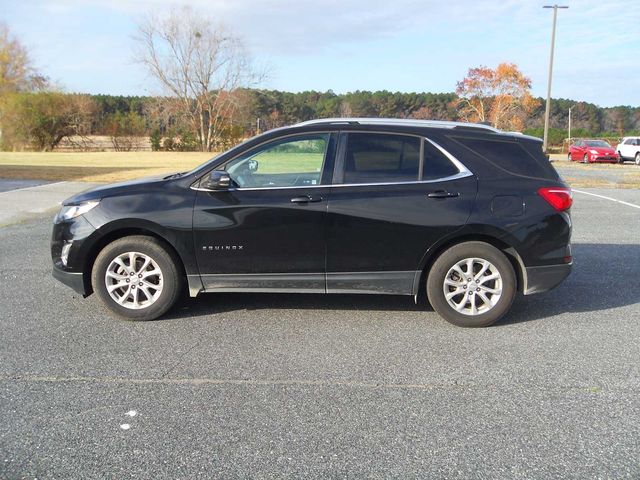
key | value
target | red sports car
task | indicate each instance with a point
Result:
(590, 151)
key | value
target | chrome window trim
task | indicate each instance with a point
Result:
(456, 176)
(459, 165)
(463, 171)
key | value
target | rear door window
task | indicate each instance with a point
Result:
(381, 158)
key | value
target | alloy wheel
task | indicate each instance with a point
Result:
(472, 286)
(134, 280)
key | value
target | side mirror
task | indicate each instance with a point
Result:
(216, 180)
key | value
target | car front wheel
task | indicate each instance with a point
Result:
(585, 159)
(471, 284)
(638, 158)
(137, 277)
(620, 159)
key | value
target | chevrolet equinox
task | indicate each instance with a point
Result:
(467, 213)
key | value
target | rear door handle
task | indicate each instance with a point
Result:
(306, 199)
(442, 194)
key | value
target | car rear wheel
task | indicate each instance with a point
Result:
(471, 284)
(585, 159)
(620, 159)
(569, 156)
(137, 277)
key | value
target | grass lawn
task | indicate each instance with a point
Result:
(96, 166)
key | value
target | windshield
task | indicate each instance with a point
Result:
(597, 143)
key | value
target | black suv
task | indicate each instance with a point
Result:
(464, 211)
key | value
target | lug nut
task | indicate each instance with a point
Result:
(477, 289)
(131, 274)
(133, 287)
(140, 284)
(127, 280)
(139, 275)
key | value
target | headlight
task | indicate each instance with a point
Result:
(594, 152)
(67, 212)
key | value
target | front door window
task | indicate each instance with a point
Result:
(289, 162)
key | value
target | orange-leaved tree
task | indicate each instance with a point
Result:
(501, 97)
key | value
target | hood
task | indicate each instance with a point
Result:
(603, 150)
(111, 189)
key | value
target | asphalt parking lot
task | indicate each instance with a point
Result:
(272, 386)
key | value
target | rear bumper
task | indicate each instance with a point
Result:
(542, 279)
(70, 279)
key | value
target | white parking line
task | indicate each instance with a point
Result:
(608, 198)
(32, 188)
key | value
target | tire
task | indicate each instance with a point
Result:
(480, 254)
(585, 159)
(638, 158)
(569, 156)
(620, 159)
(160, 290)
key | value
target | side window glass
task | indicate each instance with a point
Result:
(436, 164)
(289, 162)
(508, 155)
(381, 158)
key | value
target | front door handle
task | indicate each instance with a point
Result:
(306, 199)
(442, 194)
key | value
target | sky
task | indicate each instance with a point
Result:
(347, 45)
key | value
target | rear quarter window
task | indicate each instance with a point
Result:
(525, 159)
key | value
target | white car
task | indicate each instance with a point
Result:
(629, 149)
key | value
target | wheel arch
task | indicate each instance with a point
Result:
(117, 233)
(434, 252)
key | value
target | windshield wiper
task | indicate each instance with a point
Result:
(174, 175)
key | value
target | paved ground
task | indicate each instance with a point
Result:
(277, 386)
(7, 184)
(21, 200)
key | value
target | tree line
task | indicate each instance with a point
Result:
(45, 117)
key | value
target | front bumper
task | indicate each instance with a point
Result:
(72, 234)
(604, 159)
(542, 279)
(74, 280)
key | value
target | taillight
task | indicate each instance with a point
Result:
(558, 197)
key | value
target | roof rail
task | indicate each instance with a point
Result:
(399, 121)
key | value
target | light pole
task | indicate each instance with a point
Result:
(548, 106)
(570, 125)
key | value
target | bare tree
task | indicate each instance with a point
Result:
(199, 63)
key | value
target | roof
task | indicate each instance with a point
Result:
(411, 122)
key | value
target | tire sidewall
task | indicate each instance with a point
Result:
(440, 268)
(165, 261)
